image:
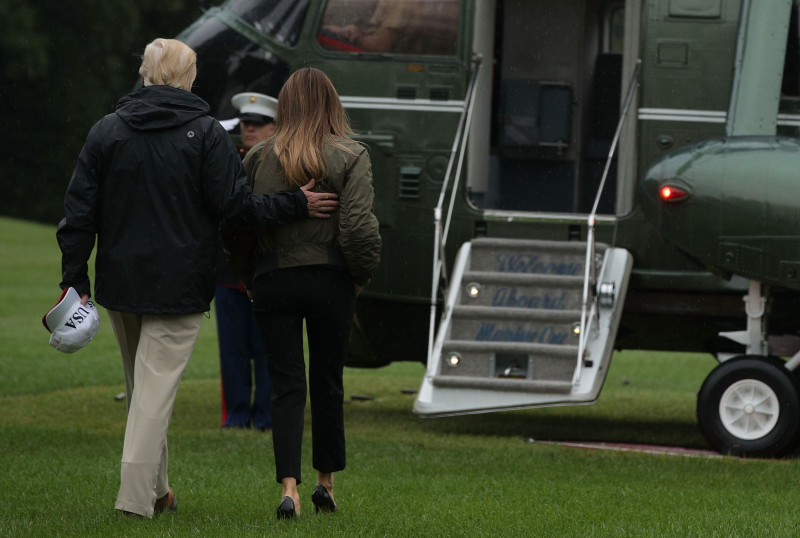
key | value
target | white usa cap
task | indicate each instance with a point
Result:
(72, 324)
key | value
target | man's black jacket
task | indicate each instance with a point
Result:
(152, 183)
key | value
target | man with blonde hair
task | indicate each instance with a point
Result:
(152, 184)
(168, 62)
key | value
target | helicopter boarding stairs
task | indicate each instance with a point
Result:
(510, 334)
(525, 323)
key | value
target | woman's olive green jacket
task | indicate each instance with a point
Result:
(349, 238)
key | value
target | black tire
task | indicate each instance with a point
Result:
(761, 417)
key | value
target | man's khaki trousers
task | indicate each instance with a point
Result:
(155, 351)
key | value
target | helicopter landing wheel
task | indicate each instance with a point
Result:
(750, 406)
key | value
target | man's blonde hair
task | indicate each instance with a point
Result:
(169, 62)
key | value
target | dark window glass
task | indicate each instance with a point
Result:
(426, 27)
(791, 66)
(616, 30)
(789, 111)
(281, 20)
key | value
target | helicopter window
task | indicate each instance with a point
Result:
(281, 20)
(391, 26)
(616, 30)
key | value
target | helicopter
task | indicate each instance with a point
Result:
(558, 180)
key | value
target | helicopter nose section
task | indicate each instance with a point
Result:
(679, 195)
(731, 204)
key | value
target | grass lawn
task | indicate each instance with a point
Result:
(482, 475)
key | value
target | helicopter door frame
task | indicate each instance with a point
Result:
(627, 158)
(482, 166)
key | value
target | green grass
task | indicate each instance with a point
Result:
(61, 433)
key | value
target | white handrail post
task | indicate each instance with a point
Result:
(440, 237)
(470, 107)
(589, 273)
(585, 300)
(437, 224)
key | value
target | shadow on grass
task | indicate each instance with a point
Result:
(574, 428)
(553, 424)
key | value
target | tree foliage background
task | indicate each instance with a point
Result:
(63, 66)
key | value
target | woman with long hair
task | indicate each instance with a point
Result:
(311, 271)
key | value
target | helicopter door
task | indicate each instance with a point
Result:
(552, 108)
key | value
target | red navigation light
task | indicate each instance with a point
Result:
(671, 193)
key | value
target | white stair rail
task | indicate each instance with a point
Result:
(440, 236)
(590, 271)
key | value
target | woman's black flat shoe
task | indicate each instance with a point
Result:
(286, 509)
(322, 500)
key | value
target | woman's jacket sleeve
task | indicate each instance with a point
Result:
(359, 237)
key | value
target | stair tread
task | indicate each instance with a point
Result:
(528, 279)
(513, 312)
(490, 242)
(503, 384)
(524, 347)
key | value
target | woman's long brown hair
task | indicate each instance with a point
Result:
(309, 113)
